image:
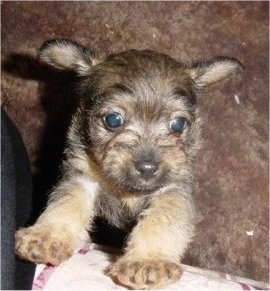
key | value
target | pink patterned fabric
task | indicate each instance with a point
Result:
(85, 271)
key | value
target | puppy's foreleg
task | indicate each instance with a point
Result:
(62, 226)
(157, 243)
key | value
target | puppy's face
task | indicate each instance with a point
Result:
(142, 122)
(139, 110)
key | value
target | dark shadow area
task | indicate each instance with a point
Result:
(59, 101)
(105, 234)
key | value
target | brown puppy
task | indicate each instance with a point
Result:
(129, 159)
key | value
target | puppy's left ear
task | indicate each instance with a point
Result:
(215, 70)
(65, 54)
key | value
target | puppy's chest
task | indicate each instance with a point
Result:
(120, 212)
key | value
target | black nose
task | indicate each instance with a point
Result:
(146, 169)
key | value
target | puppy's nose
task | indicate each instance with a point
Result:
(146, 169)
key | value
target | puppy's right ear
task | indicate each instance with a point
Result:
(65, 54)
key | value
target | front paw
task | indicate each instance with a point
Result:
(44, 244)
(145, 274)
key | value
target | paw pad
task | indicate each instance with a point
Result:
(145, 274)
(43, 244)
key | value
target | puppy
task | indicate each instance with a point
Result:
(129, 156)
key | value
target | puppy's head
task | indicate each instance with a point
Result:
(138, 114)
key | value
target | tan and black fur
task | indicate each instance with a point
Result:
(105, 171)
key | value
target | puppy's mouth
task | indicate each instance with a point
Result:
(143, 178)
(143, 188)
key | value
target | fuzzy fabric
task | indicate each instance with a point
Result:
(232, 196)
(86, 270)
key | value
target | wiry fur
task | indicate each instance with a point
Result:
(149, 90)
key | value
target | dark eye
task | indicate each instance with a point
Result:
(178, 124)
(113, 120)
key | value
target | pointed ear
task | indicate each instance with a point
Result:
(215, 70)
(65, 54)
